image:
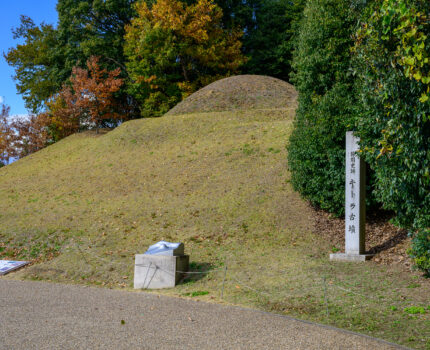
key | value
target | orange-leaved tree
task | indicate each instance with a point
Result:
(30, 134)
(87, 102)
(94, 90)
(21, 136)
(174, 48)
(63, 116)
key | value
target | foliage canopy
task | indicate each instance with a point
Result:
(44, 62)
(173, 49)
(270, 42)
(89, 101)
(38, 63)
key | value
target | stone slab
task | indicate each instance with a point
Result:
(350, 257)
(159, 271)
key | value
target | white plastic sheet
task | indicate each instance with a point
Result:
(7, 266)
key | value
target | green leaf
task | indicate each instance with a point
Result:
(417, 76)
(424, 98)
(409, 60)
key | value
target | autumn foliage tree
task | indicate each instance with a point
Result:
(45, 54)
(63, 117)
(174, 48)
(30, 135)
(88, 101)
(6, 133)
(93, 93)
(20, 137)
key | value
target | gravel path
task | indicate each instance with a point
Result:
(36, 315)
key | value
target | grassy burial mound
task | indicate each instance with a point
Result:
(242, 92)
(209, 179)
(212, 174)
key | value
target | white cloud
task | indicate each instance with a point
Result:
(20, 116)
(1, 99)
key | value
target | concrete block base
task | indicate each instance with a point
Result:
(350, 257)
(158, 271)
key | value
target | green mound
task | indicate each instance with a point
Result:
(241, 92)
(213, 177)
(82, 208)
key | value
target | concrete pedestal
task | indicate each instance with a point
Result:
(158, 271)
(350, 257)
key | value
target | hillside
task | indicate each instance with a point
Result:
(203, 176)
(215, 179)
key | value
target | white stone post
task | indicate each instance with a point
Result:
(355, 203)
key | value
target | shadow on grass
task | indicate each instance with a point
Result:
(197, 271)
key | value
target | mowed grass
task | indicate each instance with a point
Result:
(218, 182)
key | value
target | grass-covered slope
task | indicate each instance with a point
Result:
(190, 177)
(212, 177)
(242, 92)
(218, 182)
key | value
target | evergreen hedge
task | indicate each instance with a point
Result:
(327, 102)
(392, 60)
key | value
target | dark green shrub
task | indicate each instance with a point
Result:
(269, 42)
(420, 250)
(327, 102)
(393, 49)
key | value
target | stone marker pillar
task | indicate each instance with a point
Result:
(355, 206)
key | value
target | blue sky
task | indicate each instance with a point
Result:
(39, 11)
